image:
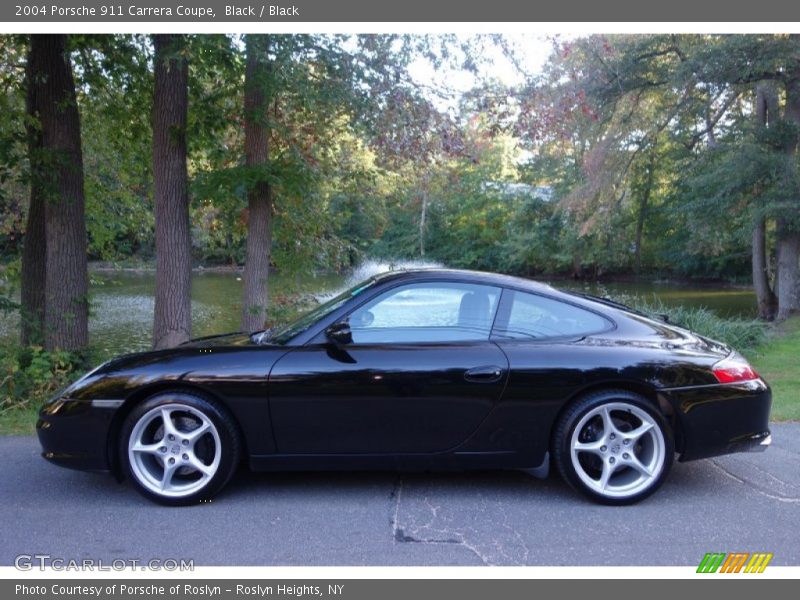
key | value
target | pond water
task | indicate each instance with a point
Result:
(122, 301)
(726, 301)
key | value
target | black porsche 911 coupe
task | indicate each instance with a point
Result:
(418, 370)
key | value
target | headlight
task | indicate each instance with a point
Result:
(67, 390)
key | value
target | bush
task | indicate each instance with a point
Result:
(29, 376)
(742, 334)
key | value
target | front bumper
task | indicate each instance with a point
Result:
(721, 419)
(74, 433)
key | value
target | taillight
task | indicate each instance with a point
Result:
(734, 368)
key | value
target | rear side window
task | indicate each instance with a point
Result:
(529, 316)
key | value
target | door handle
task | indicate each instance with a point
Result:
(487, 374)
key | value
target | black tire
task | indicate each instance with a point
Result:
(597, 452)
(190, 470)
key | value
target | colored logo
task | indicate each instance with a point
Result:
(735, 562)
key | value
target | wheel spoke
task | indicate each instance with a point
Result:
(197, 465)
(608, 424)
(591, 447)
(635, 463)
(195, 434)
(147, 448)
(166, 477)
(608, 471)
(634, 435)
(169, 426)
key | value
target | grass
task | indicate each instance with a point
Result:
(778, 361)
(18, 421)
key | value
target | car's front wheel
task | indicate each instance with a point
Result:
(179, 448)
(613, 446)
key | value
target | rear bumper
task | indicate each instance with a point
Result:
(721, 419)
(757, 443)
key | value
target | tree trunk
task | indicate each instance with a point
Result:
(423, 217)
(425, 202)
(255, 295)
(34, 248)
(766, 111)
(645, 199)
(172, 323)
(60, 169)
(577, 262)
(33, 272)
(765, 297)
(788, 270)
(788, 267)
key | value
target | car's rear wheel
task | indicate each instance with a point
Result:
(179, 448)
(613, 446)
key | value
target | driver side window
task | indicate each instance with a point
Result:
(427, 312)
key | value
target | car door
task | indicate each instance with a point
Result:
(419, 375)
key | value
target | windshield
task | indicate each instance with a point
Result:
(300, 325)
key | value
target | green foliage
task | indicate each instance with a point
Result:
(119, 204)
(620, 129)
(9, 279)
(285, 308)
(114, 86)
(7, 305)
(13, 143)
(29, 376)
(745, 335)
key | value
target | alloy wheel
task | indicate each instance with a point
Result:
(618, 450)
(174, 450)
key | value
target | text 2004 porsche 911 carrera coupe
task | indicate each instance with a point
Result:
(426, 369)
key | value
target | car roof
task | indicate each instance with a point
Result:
(464, 275)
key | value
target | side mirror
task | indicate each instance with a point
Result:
(339, 333)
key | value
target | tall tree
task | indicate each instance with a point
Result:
(259, 195)
(689, 88)
(644, 200)
(298, 90)
(35, 246)
(788, 224)
(766, 114)
(172, 323)
(55, 255)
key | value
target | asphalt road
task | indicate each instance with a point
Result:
(744, 502)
